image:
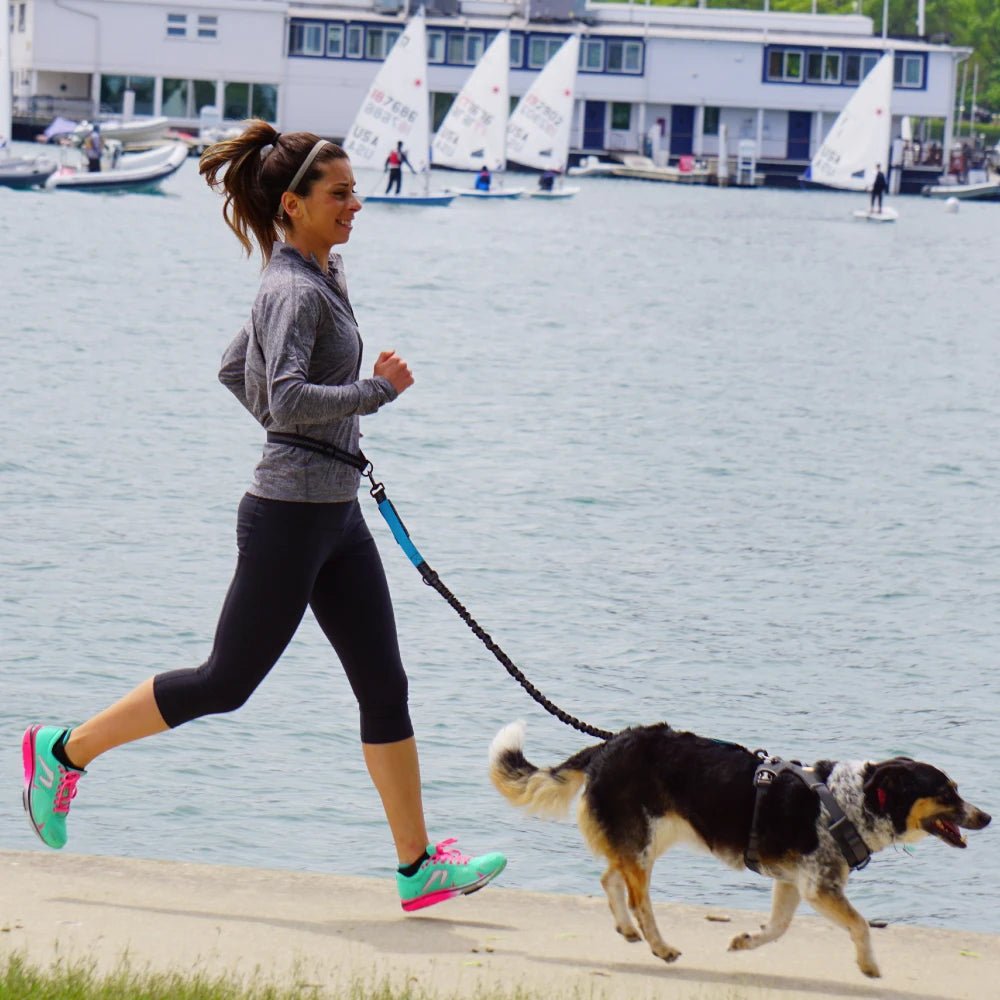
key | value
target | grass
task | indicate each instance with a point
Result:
(20, 980)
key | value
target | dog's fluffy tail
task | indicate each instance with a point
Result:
(541, 791)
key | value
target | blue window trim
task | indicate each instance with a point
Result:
(844, 53)
(448, 32)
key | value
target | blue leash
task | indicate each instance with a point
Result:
(430, 577)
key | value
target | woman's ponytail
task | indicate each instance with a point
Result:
(253, 170)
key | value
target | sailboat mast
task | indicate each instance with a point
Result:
(6, 98)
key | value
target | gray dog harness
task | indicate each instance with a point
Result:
(844, 832)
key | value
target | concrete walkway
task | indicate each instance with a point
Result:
(288, 927)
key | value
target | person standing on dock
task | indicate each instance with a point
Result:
(879, 187)
(301, 537)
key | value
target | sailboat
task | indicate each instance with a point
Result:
(474, 132)
(859, 139)
(397, 108)
(539, 127)
(15, 172)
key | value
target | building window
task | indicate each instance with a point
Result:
(474, 46)
(335, 40)
(456, 49)
(208, 26)
(355, 37)
(186, 98)
(22, 18)
(823, 67)
(516, 51)
(113, 89)
(379, 42)
(621, 116)
(784, 64)
(710, 122)
(592, 55)
(435, 46)
(305, 38)
(624, 57)
(541, 49)
(857, 65)
(908, 71)
(177, 25)
(250, 100)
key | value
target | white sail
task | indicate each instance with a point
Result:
(396, 106)
(474, 131)
(859, 139)
(5, 91)
(539, 127)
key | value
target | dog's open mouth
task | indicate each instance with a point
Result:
(945, 830)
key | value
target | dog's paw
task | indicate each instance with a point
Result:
(667, 953)
(742, 942)
(629, 933)
(870, 969)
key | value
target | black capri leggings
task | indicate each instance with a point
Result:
(292, 555)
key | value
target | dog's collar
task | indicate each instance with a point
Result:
(843, 831)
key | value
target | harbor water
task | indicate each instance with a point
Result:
(718, 457)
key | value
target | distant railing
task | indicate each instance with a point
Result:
(41, 108)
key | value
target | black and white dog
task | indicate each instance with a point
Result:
(651, 787)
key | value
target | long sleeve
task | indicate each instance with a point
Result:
(233, 373)
(286, 321)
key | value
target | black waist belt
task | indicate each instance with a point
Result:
(854, 849)
(358, 461)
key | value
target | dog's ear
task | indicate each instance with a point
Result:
(887, 788)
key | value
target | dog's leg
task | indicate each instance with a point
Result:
(614, 887)
(833, 904)
(784, 901)
(637, 881)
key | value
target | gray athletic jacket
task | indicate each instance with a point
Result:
(295, 366)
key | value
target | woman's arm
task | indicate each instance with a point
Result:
(232, 374)
(287, 324)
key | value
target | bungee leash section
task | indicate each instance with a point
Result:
(430, 577)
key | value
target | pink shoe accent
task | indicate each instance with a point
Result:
(66, 791)
(452, 856)
(28, 754)
(430, 899)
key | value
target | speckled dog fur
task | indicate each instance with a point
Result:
(650, 788)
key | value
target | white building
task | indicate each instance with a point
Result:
(779, 79)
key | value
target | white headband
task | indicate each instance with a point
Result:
(301, 172)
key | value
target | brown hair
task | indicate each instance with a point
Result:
(256, 168)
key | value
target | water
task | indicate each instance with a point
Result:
(725, 458)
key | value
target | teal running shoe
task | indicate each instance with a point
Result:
(447, 873)
(49, 786)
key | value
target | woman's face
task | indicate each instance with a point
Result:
(326, 214)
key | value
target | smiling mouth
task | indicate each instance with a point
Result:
(946, 830)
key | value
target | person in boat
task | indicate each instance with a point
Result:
(394, 164)
(93, 147)
(483, 179)
(879, 187)
(301, 536)
(547, 180)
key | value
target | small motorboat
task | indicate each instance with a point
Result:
(22, 172)
(132, 172)
(592, 166)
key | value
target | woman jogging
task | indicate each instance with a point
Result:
(301, 538)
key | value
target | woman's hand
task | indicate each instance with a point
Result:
(391, 366)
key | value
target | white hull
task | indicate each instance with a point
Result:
(507, 194)
(559, 194)
(591, 166)
(139, 172)
(886, 215)
(987, 191)
(139, 132)
(643, 168)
